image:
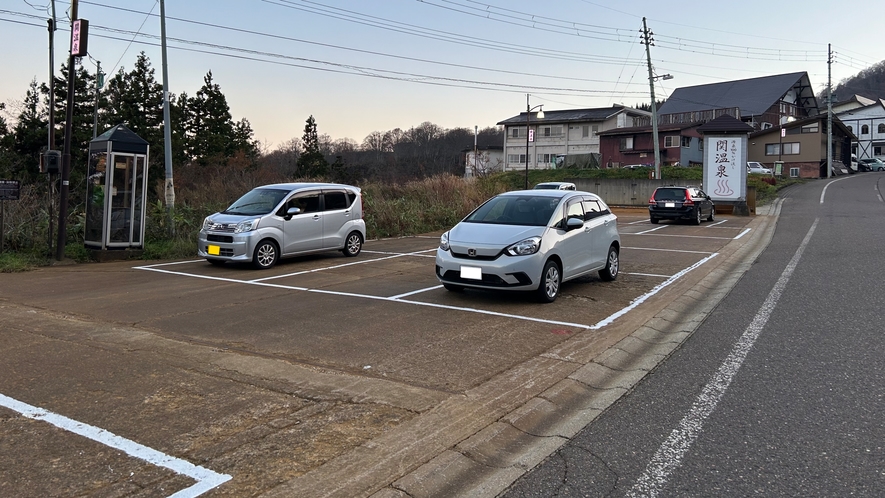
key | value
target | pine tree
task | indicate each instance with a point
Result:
(30, 135)
(311, 162)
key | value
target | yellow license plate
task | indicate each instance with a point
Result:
(214, 250)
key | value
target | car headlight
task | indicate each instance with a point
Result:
(524, 247)
(444, 241)
(206, 223)
(246, 226)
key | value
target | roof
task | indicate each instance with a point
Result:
(725, 123)
(821, 118)
(121, 139)
(752, 96)
(574, 115)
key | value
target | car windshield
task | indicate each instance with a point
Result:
(515, 210)
(670, 194)
(257, 201)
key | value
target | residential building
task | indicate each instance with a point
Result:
(561, 138)
(802, 146)
(678, 144)
(867, 122)
(763, 102)
(484, 160)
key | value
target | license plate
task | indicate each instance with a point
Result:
(472, 273)
(669, 204)
(214, 250)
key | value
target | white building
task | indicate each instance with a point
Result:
(867, 122)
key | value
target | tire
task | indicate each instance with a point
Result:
(653, 220)
(712, 216)
(453, 288)
(697, 216)
(216, 262)
(353, 244)
(551, 280)
(266, 255)
(612, 265)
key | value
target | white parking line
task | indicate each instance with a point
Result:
(745, 232)
(715, 224)
(649, 231)
(419, 291)
(666, 250)
(676, 235)
(360, 262)
(648, 275)
(206, 479)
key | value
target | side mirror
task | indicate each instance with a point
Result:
(574, 223)
(292, 211)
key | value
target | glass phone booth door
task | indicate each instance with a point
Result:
(116, 200)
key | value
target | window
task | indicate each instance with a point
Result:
(517, 132)
(811, 128)
(851, 129)
(335, 200)
(794, 172)
(864, 130)
(701, 144)
(686, 142)
(788, 149)
(671, 141)
(516, 158)
(881, 128)
(585, 131)
(308, 202)
(551, 131)
(877, 151)
(546, 158)
(627, 143)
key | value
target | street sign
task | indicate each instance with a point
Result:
(9, 190)
(531, 135)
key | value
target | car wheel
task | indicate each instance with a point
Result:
(216, 262)
(454, 288)
(697, 216)
(266, 255)
(712, 216)
(353, 245)
(612, 265)
(653, 220)
(551, 279)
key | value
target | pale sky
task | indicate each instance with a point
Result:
(360, 66)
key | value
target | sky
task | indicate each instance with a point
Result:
(360, 66)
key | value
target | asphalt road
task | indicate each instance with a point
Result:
(332, 376)
(780, 392)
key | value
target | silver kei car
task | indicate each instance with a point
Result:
(530, 240)
(283, 220)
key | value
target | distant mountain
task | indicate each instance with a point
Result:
(869, 83)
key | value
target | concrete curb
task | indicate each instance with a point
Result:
(479, 444)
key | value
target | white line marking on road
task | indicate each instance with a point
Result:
(343, 265)
(637, 222)
(669, 456)
(658, 288)
(745, 232)
(649, 231)
(666, 250)
(681, 236)
(404, 254)
(648, 275)
(717, 223)
(824, 191)
(419, 291)
(177, 263)
(206, 479)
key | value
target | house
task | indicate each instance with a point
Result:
(679, 144)
(763, 102)
(567, 137)
(853, 103)
(802, 146)
(483, 160)
(867, 122)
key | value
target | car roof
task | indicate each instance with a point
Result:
(306, 185)
(557, 194)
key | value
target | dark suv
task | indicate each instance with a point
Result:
(680, 203)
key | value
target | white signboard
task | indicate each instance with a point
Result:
(725, 167)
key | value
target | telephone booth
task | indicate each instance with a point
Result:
(116, 190)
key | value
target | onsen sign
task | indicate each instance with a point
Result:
(725, 167)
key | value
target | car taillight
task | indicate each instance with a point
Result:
(651, 200)
(688, 201)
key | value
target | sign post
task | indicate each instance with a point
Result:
(9, 191)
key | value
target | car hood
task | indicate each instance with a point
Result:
(489, 237)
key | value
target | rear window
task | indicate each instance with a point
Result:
(670, 194)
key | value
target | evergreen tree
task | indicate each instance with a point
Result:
(84, 113)
(209, 125)
(30, 135)
(311, 163)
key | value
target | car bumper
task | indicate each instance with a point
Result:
(225, 246)
(504, 272)
(672, 213)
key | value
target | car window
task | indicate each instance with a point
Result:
(670, 194)
(514, 210)
(257, 201)
(575, 210)
(592, 209)
(308, 202)
(335, 200)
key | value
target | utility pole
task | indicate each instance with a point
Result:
(830, 111)
(51, 125)
(66, 155)
(475, 134)
(167, 125)
(99, 82)
(649, 41)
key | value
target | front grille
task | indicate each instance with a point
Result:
(461, 255)
(219, 238)
(221, 227)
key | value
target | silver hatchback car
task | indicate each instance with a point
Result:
(283, 220)
(530, 240)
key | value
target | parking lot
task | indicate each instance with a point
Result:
(256, 378)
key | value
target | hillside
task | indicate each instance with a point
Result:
(869, 83)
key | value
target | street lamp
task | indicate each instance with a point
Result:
(528, 115)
